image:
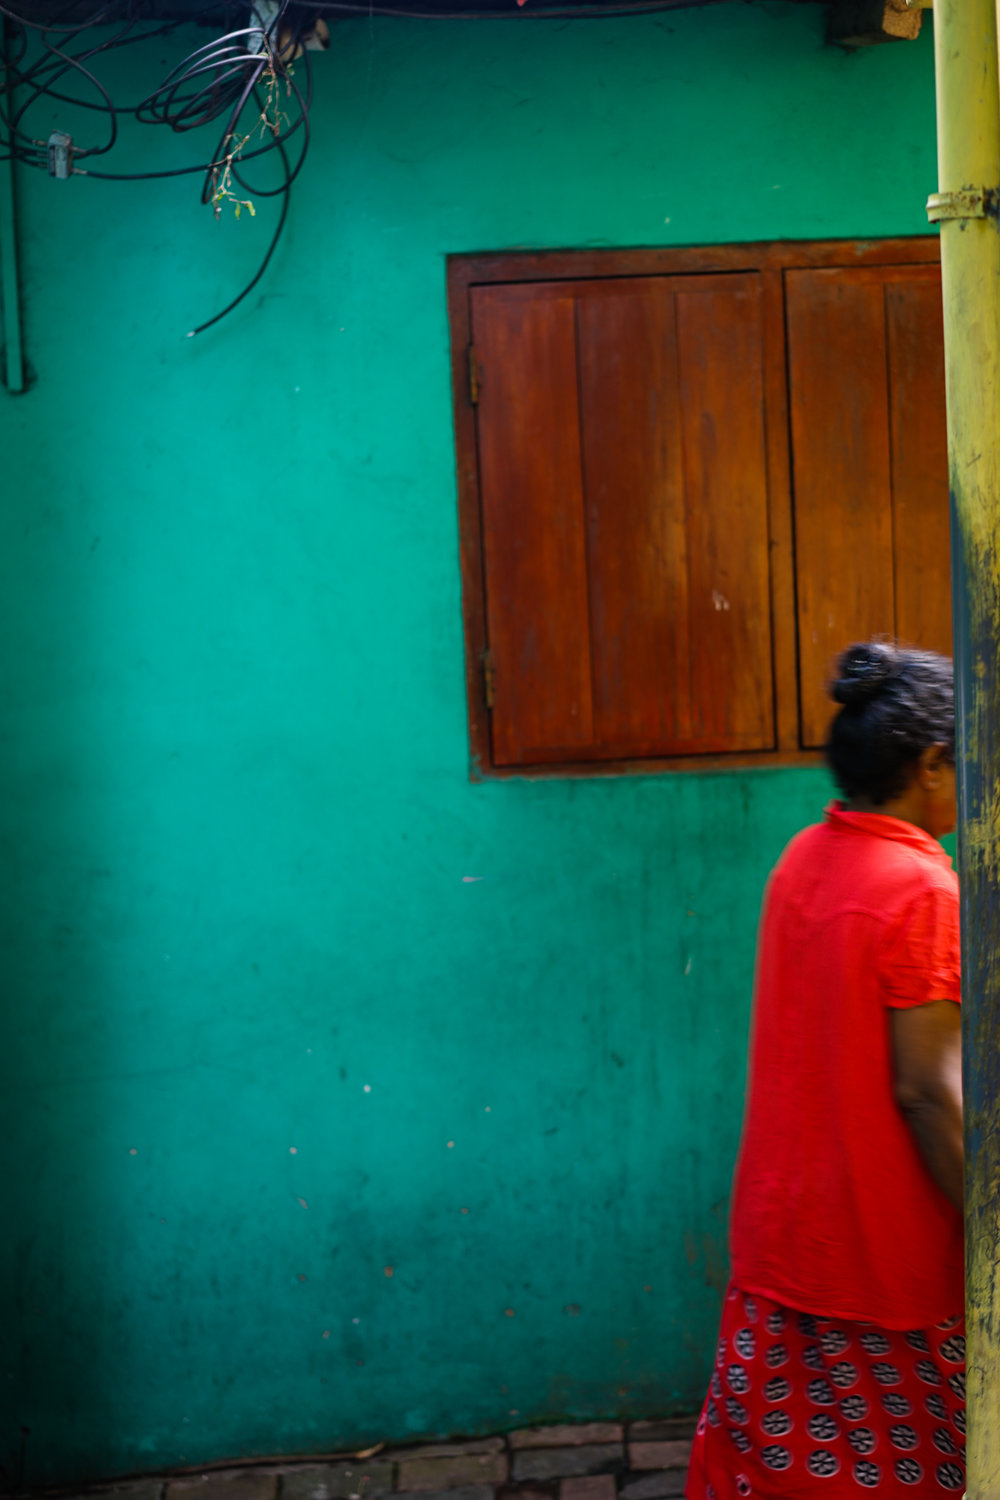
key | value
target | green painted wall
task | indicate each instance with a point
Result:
(253, 999)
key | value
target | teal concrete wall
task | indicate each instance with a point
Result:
(266, 1039)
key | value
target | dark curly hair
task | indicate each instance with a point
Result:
(896, 703)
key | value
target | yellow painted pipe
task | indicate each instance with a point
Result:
(968, 123)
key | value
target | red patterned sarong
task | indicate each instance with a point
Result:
(802, 1406)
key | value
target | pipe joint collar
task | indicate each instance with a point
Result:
(966, 203)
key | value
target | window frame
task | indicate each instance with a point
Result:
(769, 260)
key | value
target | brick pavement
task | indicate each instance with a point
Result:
(586, 1461)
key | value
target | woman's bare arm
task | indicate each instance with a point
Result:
(927, 1060)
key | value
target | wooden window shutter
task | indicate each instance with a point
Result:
(869, 464)
(623, 487)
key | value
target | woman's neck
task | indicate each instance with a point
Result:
(909, 807)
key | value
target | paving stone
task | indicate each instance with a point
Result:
(673, 1455)
(337, 1481)
(525, 1492)
(662, 1430)
(463, 1492)
(593, 1487)
(662, 1484)
(444, 1450)
(452, 1472)
(566, 1436)
(225, 1484)
(564, 1463)
(147, 1489)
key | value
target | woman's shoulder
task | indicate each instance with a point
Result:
(803, 847)
(802, 863)
(889, 871)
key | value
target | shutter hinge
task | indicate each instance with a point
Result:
(489, 678)
(473, 376)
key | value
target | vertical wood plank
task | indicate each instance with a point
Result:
(841, 473)
(469, 518)
(720, 361)
(533, 533)
(637, 543)
(676, 497)
(779, 489)
(921, 526)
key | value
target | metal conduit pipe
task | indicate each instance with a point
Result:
(965, 206)
(10, 296)
(10, 292)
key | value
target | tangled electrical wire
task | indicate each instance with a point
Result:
(245, 79)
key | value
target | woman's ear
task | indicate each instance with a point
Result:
(932, 765)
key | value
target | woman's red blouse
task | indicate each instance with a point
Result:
(834, 1211)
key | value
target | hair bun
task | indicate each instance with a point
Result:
(862, 672)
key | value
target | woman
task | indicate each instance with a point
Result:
(841, 1357)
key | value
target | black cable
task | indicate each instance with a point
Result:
(264, 263)
(112, 112)
(595, 11)
(244, 156)
(223, 77)
(12, 34)
(168, 104)
(128, 41)
(189, 111)
(141, 176)
(219, 79)
(551, 12)
(205, 60)
(93, 20)
(69, 63)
